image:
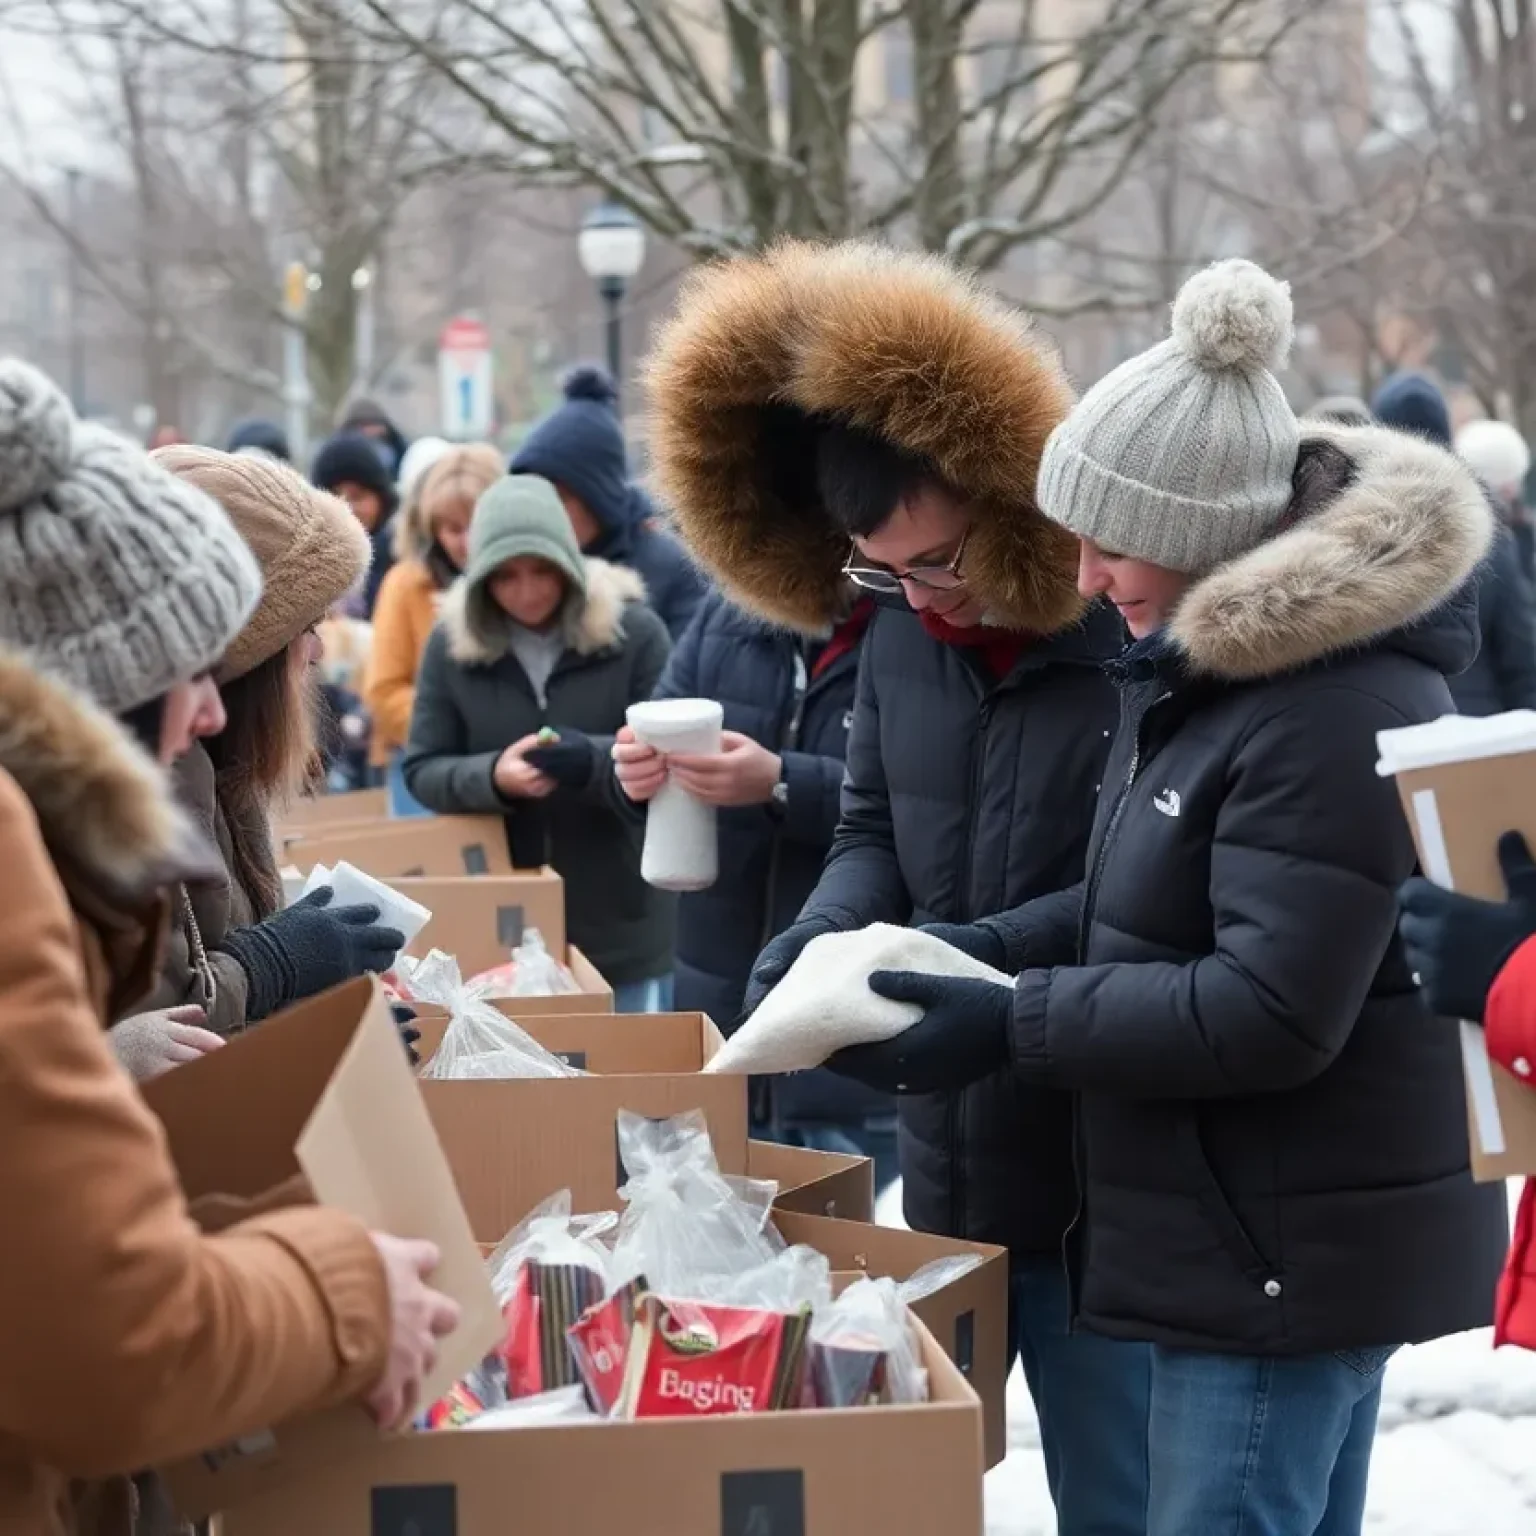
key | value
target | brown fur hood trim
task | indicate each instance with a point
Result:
(589, 626)
(1382, 528)
(901, 345)
(105, 808)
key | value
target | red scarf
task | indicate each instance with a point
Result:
(846, 636)
(1000, 648)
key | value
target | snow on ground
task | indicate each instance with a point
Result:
(1456, 1452)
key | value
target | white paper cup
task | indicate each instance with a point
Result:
(681, 844)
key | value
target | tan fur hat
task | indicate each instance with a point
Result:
(310, 547)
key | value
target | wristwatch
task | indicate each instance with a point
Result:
(779, 799)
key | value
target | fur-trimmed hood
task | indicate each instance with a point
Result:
(105, 808)
(901, 345)
(590, 625)
(1382, 529)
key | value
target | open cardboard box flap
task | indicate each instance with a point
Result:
(319, 1101)
(969, 1316)
(513, 1143)
(909, 1471)
(431, 845)
(312, 812)
(1457, 813)
(480, 920)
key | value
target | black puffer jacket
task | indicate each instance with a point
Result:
(770, 859)
(965, 796)
(1274, 1135)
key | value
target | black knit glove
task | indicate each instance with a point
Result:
(771, 967)
(307, 948)
(984, 944)
(1457, 944)
(571, 760)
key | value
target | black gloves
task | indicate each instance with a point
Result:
(778, 955)
(963, 1036)
(1457, 944)
(307, 948)
(979, 943)
(571, 760)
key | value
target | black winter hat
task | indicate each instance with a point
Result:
(580, 445)
(258, 432)
(1408, 402)
(351, 457)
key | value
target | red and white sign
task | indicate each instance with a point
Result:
(466, 378)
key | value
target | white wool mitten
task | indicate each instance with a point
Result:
(824, 1002)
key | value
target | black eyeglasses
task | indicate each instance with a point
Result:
(932, 578)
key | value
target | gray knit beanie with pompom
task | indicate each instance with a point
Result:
(1183, 456)
(113, 573)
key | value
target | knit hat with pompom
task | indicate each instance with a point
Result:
(114, 574)
(1183, 456)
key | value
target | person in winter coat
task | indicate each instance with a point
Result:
(1504, 674)
(1497, 454)
(883, 423)
(1476, 960)
(533, 638)
(367, 418)
(235, 951)
(788, 703)
(185, 1341)
(258, 435)
(431, 544)
(349, 466)
(1272, 1128)
(579, 448)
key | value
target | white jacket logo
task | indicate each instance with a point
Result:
(1167, 802)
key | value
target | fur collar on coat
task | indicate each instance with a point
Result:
(1382, 528)
(589, 625)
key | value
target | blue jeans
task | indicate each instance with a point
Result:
(1249, 1446)
(875, 1139)
(403, 805)
(653, 996)
(1091, 1394)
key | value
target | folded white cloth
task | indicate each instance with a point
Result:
(824, 1002)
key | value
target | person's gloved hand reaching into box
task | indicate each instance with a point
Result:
(309, 948)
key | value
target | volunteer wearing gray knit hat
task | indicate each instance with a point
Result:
(1183, 456)
(113, 573)
(1270, 1121)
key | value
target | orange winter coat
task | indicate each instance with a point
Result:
(126, 1337)
(403, 619)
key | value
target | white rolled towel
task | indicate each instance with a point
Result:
(824, 1002)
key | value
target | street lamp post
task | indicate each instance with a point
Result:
(611, 247)
(363, 333)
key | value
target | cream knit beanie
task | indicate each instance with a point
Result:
(311, 549)
(1183, 456)
(113, 574)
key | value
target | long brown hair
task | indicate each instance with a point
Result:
(265, 755)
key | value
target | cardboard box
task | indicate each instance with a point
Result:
(1457, 811)
(312, 812)
(318, 1103)
(908, 1471)
(512, 1144)
(969, 1317)
(480, 919)
(433, 845)
(816, 1183)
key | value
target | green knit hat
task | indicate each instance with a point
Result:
(519, 515)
